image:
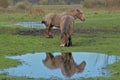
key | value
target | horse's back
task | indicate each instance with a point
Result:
(67, 19)
(67, 24)
(47, 18)
(52, 19)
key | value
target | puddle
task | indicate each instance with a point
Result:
(25, 24)
(73, 65)
(33, 25)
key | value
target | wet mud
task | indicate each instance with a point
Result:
(41, 32)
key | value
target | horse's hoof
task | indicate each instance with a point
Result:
(70, 44)
(62, 45)
(49, 36)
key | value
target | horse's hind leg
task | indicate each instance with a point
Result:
(70, 33)
(63, 42)
(48, 32)
(69, 41)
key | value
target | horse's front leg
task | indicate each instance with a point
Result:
(48, 32)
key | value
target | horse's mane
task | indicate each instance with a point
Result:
(72, 11)
(68, 12)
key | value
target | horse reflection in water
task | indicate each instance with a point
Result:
(65, 62)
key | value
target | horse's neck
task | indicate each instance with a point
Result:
(71, 14)
(61, 14)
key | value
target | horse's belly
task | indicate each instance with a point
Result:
(57, 24)
(56, 21)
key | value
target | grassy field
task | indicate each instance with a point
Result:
(99, 33)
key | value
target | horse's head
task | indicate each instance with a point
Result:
(69, 66)
(79, 14)
(81, 67)
(76, 13)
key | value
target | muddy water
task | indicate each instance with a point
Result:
(32, 65)
(33, 25)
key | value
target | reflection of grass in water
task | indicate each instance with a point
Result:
(4, 76)
(11, 44)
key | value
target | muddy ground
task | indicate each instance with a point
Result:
(57, 31)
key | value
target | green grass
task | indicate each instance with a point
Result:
(103, 42)
(100, 42)
(4, 76)
(18, 17)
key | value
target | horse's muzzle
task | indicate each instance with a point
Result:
(83, 20)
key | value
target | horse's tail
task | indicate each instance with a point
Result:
(63, 34)
(66, 26)
(43, 22)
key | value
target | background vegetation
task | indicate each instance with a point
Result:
(84, 3)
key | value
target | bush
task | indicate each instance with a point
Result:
(100, 3)
(94, 3)
(37, 11)
(4, 3)
(88, 4)
(2, 9)
(114, 3)
(23, 5)
(43, 2)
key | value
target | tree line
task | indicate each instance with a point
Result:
(85, 3)
(49, 1)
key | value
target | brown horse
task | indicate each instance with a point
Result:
(51, 19)
(65, 62)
